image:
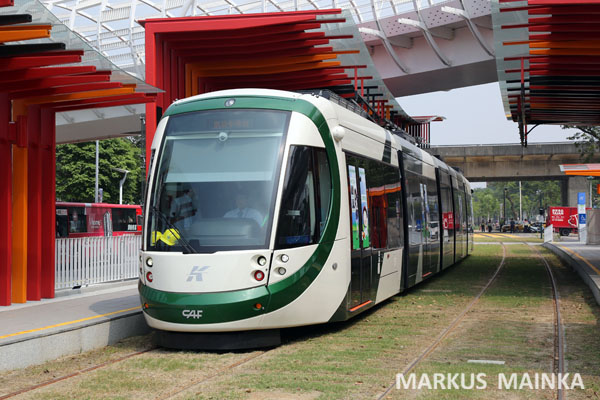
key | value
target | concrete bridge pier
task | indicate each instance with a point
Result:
(572, 186)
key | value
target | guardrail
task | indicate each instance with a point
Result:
(89, 260)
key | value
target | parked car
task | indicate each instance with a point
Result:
(519, 227)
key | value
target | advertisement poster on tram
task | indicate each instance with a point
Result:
(364, 206)
(354, 206)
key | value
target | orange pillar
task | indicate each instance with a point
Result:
(34, 205)
(48, 160)
(5, 202)
(19, 214)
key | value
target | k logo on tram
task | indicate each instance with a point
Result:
(196, 273)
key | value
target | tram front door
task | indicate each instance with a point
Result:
(361, 255)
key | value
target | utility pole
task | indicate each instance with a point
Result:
(520, 203)
(504, 222)
(97, 159)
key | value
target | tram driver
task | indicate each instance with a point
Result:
(242, 210)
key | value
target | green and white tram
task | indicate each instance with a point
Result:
(269, 209)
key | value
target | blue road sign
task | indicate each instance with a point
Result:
(581, 198)
(582, 218)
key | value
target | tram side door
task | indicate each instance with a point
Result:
(361, 254)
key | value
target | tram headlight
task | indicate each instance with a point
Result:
(281, 271)
(284, 258)
(262, 261)
(149, 262)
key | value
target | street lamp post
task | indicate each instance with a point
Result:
(539, 193)
(504, 222)
(121, 182)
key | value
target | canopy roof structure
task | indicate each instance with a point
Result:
(296, 51)
(548, 58)
(44, 69)
(581, 169)
(111, 25)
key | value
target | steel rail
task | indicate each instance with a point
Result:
(559, 333)
(74, 374)
(216, 374)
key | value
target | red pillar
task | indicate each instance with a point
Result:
(151, 78)
(48, 207)
(19, 212)
(5, 202)
(34, 205)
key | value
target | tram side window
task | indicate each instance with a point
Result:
(77, 220)
(305, 199)
(62, 223)
(416, 212)
(433, 208)
(447, 215)
(384, 202)
(124, 219)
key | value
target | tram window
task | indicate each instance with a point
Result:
(433, 208)
(123, 219)
(305, 199)
(325, 186)
(231, 161)
(384, 202)
(62, 223)
(77, 220)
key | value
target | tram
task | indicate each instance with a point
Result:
(269, 209)
(75, 220)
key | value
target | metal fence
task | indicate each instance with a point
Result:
(89, 260)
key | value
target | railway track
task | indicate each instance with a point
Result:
(559, 332)
(559, 340)
(450, 327)
(74, 374)
(129, 356)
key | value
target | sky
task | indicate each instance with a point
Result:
(474, 115)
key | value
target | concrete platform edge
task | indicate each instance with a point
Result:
(578, 266)
(25, 352)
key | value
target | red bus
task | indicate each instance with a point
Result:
(97, 219)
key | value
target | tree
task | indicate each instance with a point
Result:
(488, 203)
(76, 171)
(587, 140)
(485, 204)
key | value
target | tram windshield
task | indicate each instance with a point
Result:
(216, 181)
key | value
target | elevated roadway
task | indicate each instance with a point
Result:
(510, 162)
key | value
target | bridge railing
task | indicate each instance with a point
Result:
(90, 260)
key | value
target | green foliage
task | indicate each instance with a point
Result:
(488, 203)
(587, 140)
(76, 171)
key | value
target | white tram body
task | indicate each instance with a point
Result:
(269, 209)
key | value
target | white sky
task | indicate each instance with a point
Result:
(474, 115)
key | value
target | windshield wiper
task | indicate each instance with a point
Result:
(184, 242)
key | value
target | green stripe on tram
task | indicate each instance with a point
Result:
(240, 304)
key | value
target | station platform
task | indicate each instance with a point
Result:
(76, 320)
(585, 259)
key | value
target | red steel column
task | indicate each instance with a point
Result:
(34, 205)
(48, 207)
(5, 203)
(19, 213)
(151, 79)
